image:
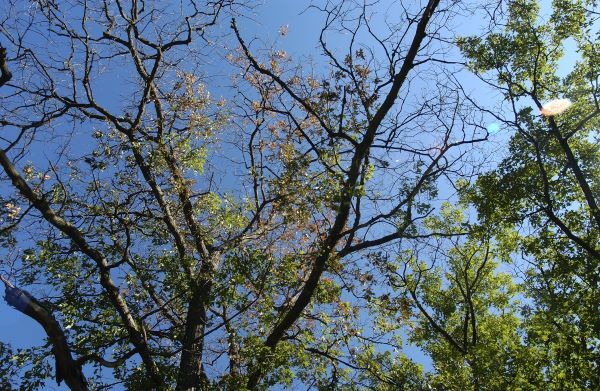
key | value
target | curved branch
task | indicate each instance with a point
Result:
(435, 324)
(105, 363)
(67, 368)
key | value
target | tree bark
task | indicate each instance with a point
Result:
(191, 376)
(5, 74)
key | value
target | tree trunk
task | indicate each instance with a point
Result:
(191, 375)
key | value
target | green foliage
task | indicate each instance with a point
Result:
(536, 188)
(7, 369)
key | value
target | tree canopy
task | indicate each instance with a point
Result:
(186, 204)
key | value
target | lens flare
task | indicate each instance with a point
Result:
(493, 128)
(555, 107)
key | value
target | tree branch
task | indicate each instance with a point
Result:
(347, 192)
(67, 368)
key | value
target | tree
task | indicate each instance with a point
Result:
(292, 232)
(163, 269)
(548, 184)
